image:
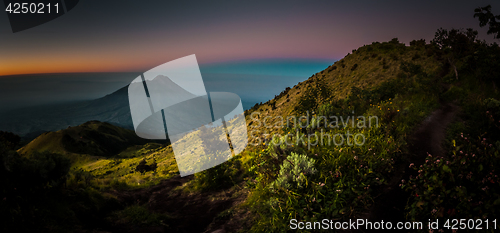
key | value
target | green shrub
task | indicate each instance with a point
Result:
(294, 171)
(221, 176)
(384, 64)
(493, 105)
(418, 43)
(454, 93)
(394, 56)
(394, 41)
(410, 68)
(462, 185)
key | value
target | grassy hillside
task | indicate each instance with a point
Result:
(93, 138)
(340, 180)
(120, 170)
(430, 152)
(409, 89)
(366, 68)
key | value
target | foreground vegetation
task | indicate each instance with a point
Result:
(292, 170)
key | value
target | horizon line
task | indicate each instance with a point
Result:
(234, 61)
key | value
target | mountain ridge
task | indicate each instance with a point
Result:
(112, 108)
(366, 68)
(92, 138)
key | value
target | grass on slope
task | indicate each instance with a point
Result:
(308, 181)
(119, 171)
(84, 143)
(366, 68)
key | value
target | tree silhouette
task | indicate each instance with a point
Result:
(456, 44)
(486, 17)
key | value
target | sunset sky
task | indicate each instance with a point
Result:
(99, 36)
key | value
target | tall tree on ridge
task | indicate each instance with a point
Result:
(486, 17)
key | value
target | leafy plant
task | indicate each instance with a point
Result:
(293, 172)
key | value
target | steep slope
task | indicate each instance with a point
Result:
(366, 68)
(91, 138)
(397, 84)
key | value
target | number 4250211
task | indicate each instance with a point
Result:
(477, 224)
(32, 8)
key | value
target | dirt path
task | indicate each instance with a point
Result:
(428, 138)
(196, 212)
(191, 212)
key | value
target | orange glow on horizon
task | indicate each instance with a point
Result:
(64, 66)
